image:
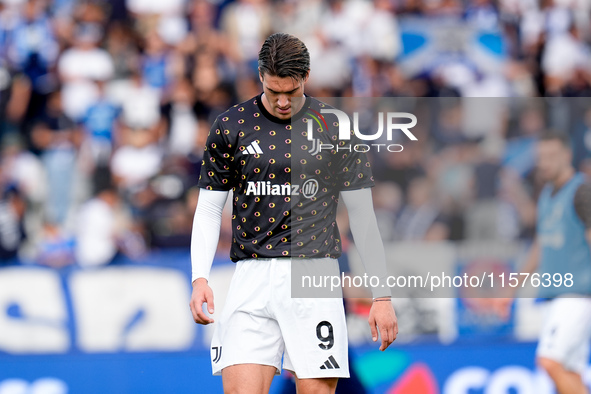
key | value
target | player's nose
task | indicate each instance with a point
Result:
(283, 101)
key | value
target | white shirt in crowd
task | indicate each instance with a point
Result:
(96, 244)
(135, 165)
(78, 68)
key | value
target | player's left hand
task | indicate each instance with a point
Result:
(382, 318)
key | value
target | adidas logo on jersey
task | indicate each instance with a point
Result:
(253, 149)
(331, 363)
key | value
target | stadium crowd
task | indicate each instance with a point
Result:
(105, 107)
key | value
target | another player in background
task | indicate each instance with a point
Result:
(562, 246)
(249, 151)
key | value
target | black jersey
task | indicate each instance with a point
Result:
(285, 198)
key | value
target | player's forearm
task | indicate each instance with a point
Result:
(206, 231)
(366, 235)
(530, 266)
(533, 259)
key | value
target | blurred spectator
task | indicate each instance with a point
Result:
(5, 87)
(421, 219)
(181, 118)
(564, 56)
(483, 14)
(520, 154)
(122, 49)
(12, 232)
(205, 37)
(33, 48)
(155, 61)
(143, 8)
(401, 168)
(20, 167)
(300, 18)
(380, 32)
(387, 201)
(140, 103)
(103, 229)
(56, 247)
(169, 218)
(99, 125)
(447, 129)
(557, 18)
(57, 137)
(246, 24)
(453, 171)
(79, 66)
(136, 161)
(96, 243)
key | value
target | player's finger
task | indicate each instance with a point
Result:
(391, 334)
(384, 335)
(196, 316)
(202, 318)
(373, 328)
(209, 302)
(193, 311)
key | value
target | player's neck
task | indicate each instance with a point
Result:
(299, 104)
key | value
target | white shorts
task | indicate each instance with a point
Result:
(566, 333)
(261, 323)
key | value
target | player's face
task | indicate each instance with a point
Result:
(553, 159)
(279, 92)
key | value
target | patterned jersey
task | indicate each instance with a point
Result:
(285, 189)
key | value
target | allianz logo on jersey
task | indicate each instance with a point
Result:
(344, 125)
(266, 188)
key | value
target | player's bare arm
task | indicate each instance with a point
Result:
(502, 306)
(529, 267)
(382, 318)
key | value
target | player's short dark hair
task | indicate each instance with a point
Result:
(554, 135)
(283, 55)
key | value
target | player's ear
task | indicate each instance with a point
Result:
(306, 76)
(261, 78)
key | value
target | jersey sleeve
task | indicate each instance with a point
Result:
(217, 169)
(352, 169)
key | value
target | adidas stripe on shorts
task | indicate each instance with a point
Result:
(261, 324)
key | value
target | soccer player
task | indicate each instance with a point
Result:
(284, 211)
(562, 248)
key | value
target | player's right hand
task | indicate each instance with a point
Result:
(202, 293)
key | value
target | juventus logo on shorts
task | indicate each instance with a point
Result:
(331, 363)
(218, 353)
